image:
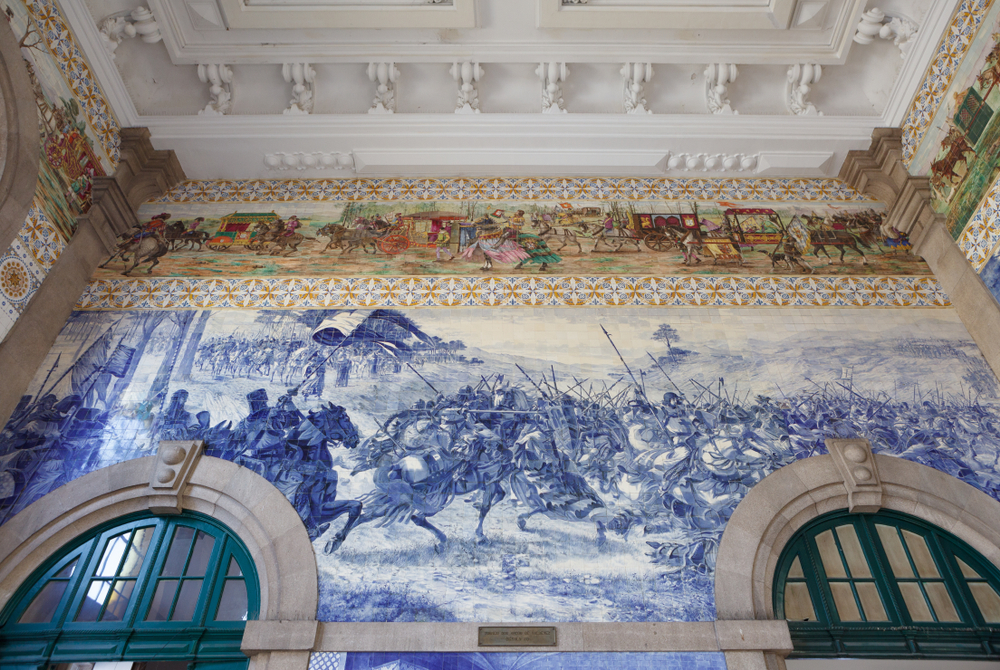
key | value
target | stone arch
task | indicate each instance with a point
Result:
(245, 502)
(20, 138)
(789, 498)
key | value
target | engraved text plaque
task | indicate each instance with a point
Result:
(517, 636)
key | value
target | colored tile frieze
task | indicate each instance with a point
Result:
(500, 188)
(320, 293)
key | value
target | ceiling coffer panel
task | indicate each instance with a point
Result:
(303, 14)
(673, 14)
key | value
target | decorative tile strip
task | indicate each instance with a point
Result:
(75, 69)
(955, 43)
(982, 233)
(327, 292)
(569, 188)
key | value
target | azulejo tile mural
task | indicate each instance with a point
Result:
(955, 43)
(533, 464)
(961, 150)
(332, 660)
(80, 140)
(296, 231)
(710, 291)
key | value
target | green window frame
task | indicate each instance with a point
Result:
(141, 588)
(886, 585)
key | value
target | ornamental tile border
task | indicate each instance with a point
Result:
(982, 233)
(952, 49)
(327, 292)
(498, 188)
(76, 70)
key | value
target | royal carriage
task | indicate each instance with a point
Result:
(660, 232)
(754, 226)
(237, 229)
(420, 229)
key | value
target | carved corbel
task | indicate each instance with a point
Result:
(384, 75)
(800, 80)
(219, 77)
(552, 76)
(139, 22)
(856, 463)
(636, 76)
(467, 76)
(175, 461)
(303, 80)
(874, 23)
(718, 76)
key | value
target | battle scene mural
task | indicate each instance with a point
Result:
(961, 149)
(579, 237)
(507, 464)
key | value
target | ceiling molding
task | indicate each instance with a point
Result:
(261, 14)
(745, 45)
(673, 14)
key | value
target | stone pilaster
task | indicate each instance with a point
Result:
(880, 172)
(143, 173)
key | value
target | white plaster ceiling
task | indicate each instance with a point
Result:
(157, 84)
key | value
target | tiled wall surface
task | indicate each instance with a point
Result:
(498, 464)
(60, 69)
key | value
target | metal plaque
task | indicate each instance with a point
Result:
(517, 636)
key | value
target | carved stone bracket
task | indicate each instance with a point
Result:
(636, 76)
(175, 460)
(219, 78)
(800, 79)
(139, 22)
(856, 463)
(303, 80)
(718, 77)
(467, 75)
(552, 76)
(384, 76)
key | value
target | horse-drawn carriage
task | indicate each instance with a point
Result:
(420, 229)
(237, 229)
(660, 232)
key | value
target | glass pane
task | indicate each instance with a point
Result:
(856, 560)
(203, 545)
(828, 552)
(798, 604)
(941, 601)
(233, 604)
(921, 555)
(915, 603)
(43, 607)
(112, 556)
(847, 607)
(187, 600)
(966, 570)
(988, 601)
(234, 569)
(137, 552)
(121, 595)
(66, 572)
(166, 665)
(96, 595)
(871, 603)
(174, 565)
(894, 550)
(159, 609)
